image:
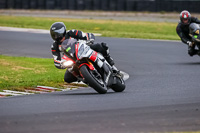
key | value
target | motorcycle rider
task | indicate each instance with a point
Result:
(59, 34)
(182, 30)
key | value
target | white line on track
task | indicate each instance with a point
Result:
(154, 40)
(24, 30)
(31, 30)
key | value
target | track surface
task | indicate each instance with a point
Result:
(162, 93)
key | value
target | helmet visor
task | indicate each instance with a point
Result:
(58, 34)
(60, 31)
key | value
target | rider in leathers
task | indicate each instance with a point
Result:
(182, 30)
(59, 34)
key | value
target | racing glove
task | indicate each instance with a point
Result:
(190, 43)
(91, 39)
(62, 64)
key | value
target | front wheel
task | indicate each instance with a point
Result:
(95, 82)
(119, 86)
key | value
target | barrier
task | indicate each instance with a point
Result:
(106, 5)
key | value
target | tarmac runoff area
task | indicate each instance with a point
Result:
(39, 89)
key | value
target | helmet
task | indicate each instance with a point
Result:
(185, 17)
(57, 31)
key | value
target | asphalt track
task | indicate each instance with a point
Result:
(162, 93)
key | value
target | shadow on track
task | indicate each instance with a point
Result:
(188, 63)
(84, 93)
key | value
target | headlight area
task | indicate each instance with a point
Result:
(68, 64)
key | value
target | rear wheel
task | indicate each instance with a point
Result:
(119, 86)
(93, 80)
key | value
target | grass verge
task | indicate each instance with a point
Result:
(19, 73)
(108, 28)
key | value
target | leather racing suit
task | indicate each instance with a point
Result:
(183, 32)
(79, 35)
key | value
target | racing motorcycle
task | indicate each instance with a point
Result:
(194, 30)
(91, 67)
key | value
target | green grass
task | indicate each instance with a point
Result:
(108, 28)
(19, 73)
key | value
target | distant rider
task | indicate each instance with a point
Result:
(59, 34)
(182, 30)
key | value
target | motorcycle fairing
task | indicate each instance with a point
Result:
(76, 51)
(93, 56)
(82, 50)
(68, 47)
(194, 31)
(90, 65)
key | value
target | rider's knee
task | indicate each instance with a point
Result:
(69, 77)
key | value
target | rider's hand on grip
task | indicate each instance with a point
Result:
(189, 43)
(89, 42)
(91, 36)
(62, 64)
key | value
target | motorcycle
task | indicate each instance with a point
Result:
(194, 30)
(90, 67)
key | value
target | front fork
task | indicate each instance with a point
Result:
(89, 64)
(106, 70)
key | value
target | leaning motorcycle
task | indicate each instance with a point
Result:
(194, 30)
(90, 67)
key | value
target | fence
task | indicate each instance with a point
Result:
(106, 5)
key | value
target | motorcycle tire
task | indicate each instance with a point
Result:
(93, 82)
(119, 86)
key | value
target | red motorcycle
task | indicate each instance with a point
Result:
(91, 67)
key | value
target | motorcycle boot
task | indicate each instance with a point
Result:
(107, 54)
(117, 72)
(104, 50)
(109, 59)
(192, 51)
